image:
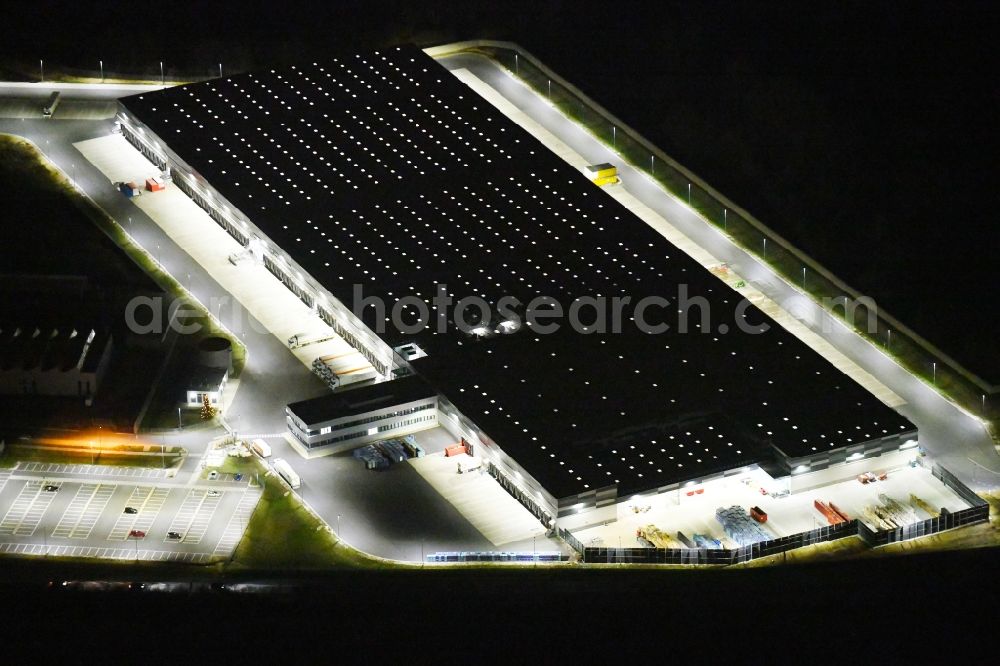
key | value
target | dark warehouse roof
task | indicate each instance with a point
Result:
(383, 169)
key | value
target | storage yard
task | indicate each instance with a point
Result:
(720, 512)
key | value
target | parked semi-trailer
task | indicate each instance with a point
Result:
(286, 472)
(261, 448)
(50, 106)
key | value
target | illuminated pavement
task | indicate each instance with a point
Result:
(85, 515)
(397, 513)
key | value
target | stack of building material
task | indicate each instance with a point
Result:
(918, 503)
(740, 527)
(657, 537)
(324, 372)
(900, 513)
(703, 541)
(413, 449)
(874, 518)
(684, 540)
(392, 449)
(372, 458)
(833, 516)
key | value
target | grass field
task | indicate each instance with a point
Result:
(284, 535)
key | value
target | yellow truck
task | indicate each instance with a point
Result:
(603, 174)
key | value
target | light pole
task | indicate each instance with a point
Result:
(689, 194)
(220, 70)
(614, 137)
(161, 72)
(725, 219)
(102, 70)
(180, 425)
(803, 278)
(550, 91)
(516, 68)
(765, 249)
(934, 369)
(652, 170)
(888, 342)
(41, 67)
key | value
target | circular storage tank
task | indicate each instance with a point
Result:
(215, 353)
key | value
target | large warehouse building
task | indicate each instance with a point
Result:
(385, 171)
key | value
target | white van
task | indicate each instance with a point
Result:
(261, 448)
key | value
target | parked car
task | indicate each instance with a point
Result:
(214, 493)
(213, 475)
(238, 477)
(49, 488)
(137, 534)
(174, 536)
(131, 510)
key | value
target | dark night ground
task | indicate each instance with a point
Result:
(868, 138)
(866, 133)
(914, 609)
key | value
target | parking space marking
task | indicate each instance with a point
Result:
(83, 511)
(103, 553)
(92, 470)
(238, 523)
(4, 475)
(26, 510)
(148, 500)
(192, 519)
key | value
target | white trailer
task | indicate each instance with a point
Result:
(261, 448)
(286, 472)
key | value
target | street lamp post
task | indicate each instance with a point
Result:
(765, 249)
(161, 72)
(516, 68)
(652, 169)
(888, 342)
(220, 70)
(725, 219)
(102, 70)
(689, 194)
(803, 278)
(614, 137)
(550, 90)
(934, 370)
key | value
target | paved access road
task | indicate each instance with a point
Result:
(956, 440)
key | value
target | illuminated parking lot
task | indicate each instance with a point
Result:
(87, 517)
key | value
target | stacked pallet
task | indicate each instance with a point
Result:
(740, 527)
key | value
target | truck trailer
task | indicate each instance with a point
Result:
(51, 104)
(286, 472)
